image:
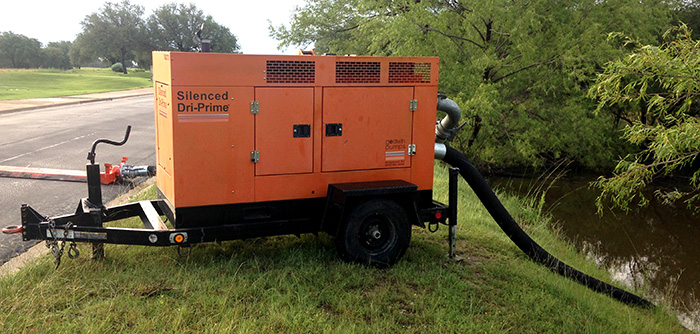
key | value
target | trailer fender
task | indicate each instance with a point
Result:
(343, 196)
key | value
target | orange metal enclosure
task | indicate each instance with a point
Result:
(247, 128)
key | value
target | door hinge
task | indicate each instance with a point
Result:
(412, 149)
(255, 156)
(414, 105)
(254, 107)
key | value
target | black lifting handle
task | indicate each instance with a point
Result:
(91, 154)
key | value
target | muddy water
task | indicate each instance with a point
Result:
(658, 245)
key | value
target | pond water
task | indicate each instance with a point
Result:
(657, 245)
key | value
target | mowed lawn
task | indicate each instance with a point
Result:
(18, 84)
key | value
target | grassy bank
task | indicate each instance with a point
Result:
(298, 285)
(39, 83)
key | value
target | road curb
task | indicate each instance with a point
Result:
(68, 103)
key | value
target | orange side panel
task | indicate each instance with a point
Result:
(280, 110)
(376, 130)
(164, 140)
(217, 69)
(424, 137)
(161, 66)
(241, 128)
(213, 128)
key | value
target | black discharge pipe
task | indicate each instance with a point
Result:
(477, 182)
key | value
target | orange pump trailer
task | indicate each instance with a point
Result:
(306, 121)
(251, 145)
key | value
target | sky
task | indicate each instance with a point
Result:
(53, 21)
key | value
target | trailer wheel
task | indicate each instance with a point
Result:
(375, 232)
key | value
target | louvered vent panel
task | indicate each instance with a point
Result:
(409, 72)
(286, 71)
(357, 72)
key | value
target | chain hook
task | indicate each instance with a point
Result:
(73, 251)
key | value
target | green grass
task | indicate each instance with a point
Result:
(40, 83)
(298, 285)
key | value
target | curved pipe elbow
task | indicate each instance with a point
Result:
(446, 127)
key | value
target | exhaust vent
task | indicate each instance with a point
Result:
(357, 72)
(409, 72)
(287, 71)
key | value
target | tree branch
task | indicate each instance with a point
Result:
(522, 69)
(426, 28)
(479, 31)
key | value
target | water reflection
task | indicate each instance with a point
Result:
(656, 245)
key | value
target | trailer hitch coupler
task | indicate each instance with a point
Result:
(13, 229)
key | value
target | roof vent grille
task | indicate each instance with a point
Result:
(290, 71)
(357, 72)
(409, 72)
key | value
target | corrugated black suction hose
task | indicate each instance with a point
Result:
(477, 182)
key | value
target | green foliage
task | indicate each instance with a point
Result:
(172, 26)
(688, 12)
(660, 85)
(79, 54)
(19, 51)
(117, 67)
(56, 55)
(522, 68)
(113, 33)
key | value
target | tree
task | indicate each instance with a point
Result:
(172, 26)
(56, 55)
(114, 33)
(688, 13)
(19, 51)
(79, 53)
(520, 70)
(331, 25)
(662, 85)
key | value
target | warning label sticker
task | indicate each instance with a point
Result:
(71, 235)
(162, 100)
(395, 152)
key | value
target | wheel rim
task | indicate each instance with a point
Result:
(376, 233)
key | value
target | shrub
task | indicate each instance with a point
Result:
(118, 67)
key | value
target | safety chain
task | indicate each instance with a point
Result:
(56, 250)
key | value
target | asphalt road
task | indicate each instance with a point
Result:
(60, 137)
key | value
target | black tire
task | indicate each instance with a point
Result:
(375, 232)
